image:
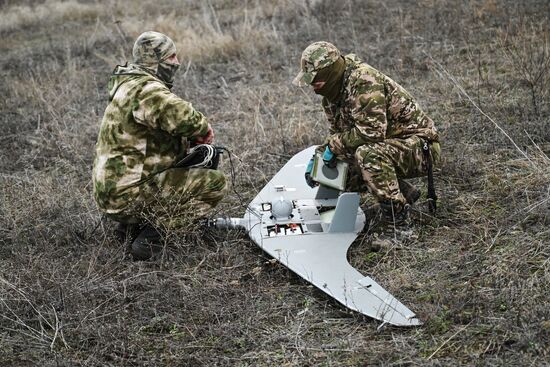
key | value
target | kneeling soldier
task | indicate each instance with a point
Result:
(145, 130)
(375, 125)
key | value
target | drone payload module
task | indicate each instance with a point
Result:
(310, 231)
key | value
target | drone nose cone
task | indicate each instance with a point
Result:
(281, 209)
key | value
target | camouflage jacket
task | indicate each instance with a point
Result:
(372, 107)
(143, 131)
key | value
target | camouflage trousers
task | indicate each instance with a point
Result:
(380, 165)
(175, 197)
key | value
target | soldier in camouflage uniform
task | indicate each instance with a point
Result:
(375, 125)
(145, 130)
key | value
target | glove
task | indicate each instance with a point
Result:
(329, 158)
(309, 180)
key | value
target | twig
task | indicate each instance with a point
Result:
(536, 145)
(448, 340)
(56, 329)
(296, 342)
(493, 241)
(187, 69)
(279, 155)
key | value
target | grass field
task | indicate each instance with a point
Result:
(477, 274)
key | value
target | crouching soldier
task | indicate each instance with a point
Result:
(145, 130)
(375, 125)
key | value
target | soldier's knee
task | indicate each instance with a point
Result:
(366, 153)
(360, 153)
(217, 181)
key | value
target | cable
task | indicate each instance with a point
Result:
(232, 170)
(206, 157)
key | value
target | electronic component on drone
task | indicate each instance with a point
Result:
(331, 177)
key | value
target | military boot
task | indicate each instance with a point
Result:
(411, 193)
(386, 212)
(373, 213)
(394, 212)
(125, 232)
(147, 244)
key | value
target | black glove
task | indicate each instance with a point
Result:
(310, 181)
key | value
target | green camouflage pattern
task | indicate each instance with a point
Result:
(144, 131)
(377, 125)
(315, 57)
(178, 194)
(175, 197)
(383, 163)
(151, 48)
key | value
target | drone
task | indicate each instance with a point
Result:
(309, 230)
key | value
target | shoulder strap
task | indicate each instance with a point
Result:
(432, 196)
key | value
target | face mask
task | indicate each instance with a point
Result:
(166, 73)
(332, 76)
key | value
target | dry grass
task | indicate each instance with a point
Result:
(51, 11)
(478, 273)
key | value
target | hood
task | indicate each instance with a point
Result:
(151, 52)
(353, 59)
(123, 73)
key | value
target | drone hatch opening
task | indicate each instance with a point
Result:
(327, 216)
(324, 208)
(290, 229)
(314, 227)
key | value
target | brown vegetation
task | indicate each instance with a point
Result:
(477, 274)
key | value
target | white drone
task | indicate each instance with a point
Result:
(310, 231)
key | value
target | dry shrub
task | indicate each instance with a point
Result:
(18, 16)
(527, 49)
(201, 37)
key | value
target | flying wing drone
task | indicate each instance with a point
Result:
(310, 231)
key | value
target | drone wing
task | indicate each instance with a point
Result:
(310, 231)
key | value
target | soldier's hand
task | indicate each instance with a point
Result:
(329, 158)
(309, 180)
(208, 138)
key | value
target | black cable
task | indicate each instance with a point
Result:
(432, 196)
(232, 170)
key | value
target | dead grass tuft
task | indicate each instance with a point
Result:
(21, 16)
(201, 37)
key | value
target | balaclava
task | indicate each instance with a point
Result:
(333, 76)
(150, 52)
